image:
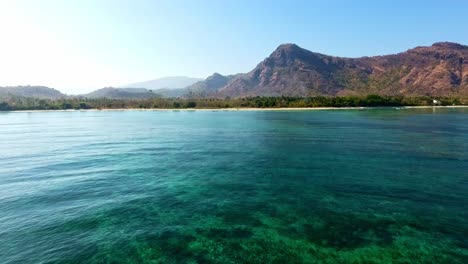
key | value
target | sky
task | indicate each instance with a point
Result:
(77, 46)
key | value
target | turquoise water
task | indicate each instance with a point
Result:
(341, 186)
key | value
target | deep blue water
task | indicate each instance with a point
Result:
(339, 186)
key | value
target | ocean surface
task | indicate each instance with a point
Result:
(334, 186)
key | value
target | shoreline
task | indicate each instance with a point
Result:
(243, 109)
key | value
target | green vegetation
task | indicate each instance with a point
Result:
(22, 103)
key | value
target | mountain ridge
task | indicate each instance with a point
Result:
(121, 93)
(437, 70)
(440, 69)
(36, 91)
(170, 82)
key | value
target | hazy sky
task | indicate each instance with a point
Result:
(77, 46)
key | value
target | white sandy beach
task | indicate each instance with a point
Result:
(246, 109)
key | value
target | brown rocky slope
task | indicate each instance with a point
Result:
(437, 70)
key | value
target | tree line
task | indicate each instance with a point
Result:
(22, 103)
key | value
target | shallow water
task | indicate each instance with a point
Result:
(341, 186)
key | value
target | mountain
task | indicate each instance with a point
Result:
(173, 82)
(121, 93)
(437, 70)
(172, 93)
(210, 85)
(199, 89)
(40, 92)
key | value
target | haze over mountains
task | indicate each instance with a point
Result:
(121, 93)
(40, 92)
(172, 82)
(437, 70)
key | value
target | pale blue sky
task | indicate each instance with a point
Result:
(78, 46)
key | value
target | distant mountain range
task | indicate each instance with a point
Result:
(437, 70)
(121, 93)
(40, 92)
(209, 86)
(172, 82)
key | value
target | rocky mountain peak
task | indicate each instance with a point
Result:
(289, 50)
(449, 45)
(215, 76)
